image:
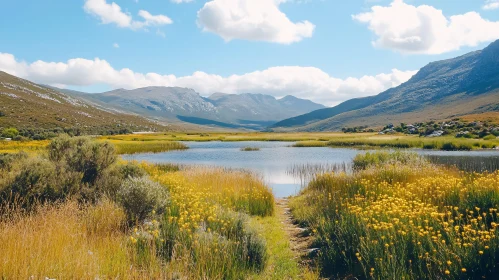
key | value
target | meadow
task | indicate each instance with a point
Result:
(74, 210)
(323, 139)
(162, 142)
(398, 216)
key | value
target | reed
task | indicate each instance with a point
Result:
(134, 147)
(250, 149)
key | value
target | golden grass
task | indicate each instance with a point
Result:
(27, 146)
(492, 117)
(133, 147)
(66, 242)
(222, 136)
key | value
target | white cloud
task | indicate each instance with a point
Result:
(424, 29)
(491, 5)
(112, 14)
(151, 20)
(181, 1)
(116, 45)
(255, 20)
(305, 82)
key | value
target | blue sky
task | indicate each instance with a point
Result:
(317, 49)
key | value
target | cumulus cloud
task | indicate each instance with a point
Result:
(254, 20)
(116, 45)
(181, 1)
(304, 82)
(491, 5)
(112, 14)
(424, 29)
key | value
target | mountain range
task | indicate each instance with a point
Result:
(248, 110)
(468, 84)
(444, 89)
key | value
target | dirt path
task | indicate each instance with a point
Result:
(299, 239)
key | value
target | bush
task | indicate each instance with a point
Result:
(76, 167)
(130, 170)
(489, 137)
(140, 196)
(2, 114)
(7, 160)
(9, 133)
(83, 155)
(430, 146)
(40, 180)
(450, 146)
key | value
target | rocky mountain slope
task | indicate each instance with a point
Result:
(463, 85)
(253, 111)
(26, 105)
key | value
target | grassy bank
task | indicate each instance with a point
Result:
(134, 147)
(399, 216)
(74, 211)
(404, 142)
(162, 142)
(122, 147)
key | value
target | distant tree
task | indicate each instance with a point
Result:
(2, 114)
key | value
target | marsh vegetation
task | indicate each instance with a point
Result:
(400, 216)
(250, 149)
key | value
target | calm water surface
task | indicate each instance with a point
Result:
(273, 161)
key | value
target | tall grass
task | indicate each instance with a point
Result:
(395, 219)
(133, 147)
(308, 171)
(205, 229)
(403, 142)
(66, 242)
(467, 163)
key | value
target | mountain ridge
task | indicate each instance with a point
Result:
(27, 105)
(246, 110)
(472, 79)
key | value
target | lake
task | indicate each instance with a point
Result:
(276, 161)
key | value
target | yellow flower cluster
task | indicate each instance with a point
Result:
(447, 218)
(199, 193)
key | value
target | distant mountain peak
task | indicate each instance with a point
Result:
(217, 95)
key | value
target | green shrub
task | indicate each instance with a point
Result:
(168, 167)
(431, 146)
(83, 155)
(254, 251)
(7, 160)
(41, 180)
(451, 146)
(9, 132)
(140, 196)
(131, 170)
(489, 137)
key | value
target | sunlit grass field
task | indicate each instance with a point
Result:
(401, 217)
(402, 141)
(214, 223)
(162, 142)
